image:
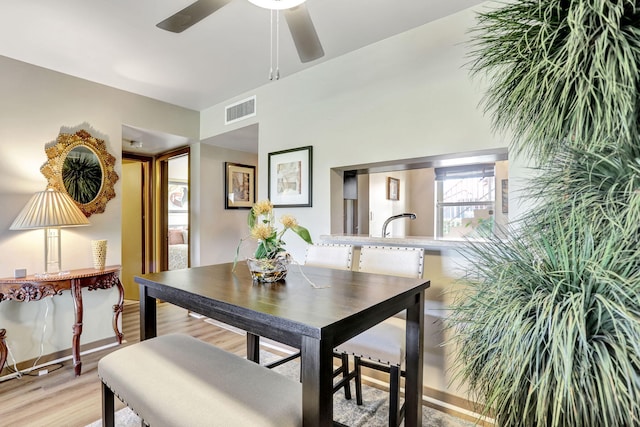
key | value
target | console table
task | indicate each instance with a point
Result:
(35, 288)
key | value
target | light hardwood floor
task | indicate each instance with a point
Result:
(60, 399)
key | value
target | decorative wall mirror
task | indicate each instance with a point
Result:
(80, 165)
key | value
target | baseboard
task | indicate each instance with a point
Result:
(433, 398)
(56, 357)
(455, 405)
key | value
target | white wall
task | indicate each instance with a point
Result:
(35, 105)
(216, 231)
(404, 97)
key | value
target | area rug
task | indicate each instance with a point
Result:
(373, 413)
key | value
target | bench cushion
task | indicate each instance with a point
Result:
(178, 380)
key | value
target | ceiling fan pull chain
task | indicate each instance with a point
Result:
(277, 44)
(271, 46)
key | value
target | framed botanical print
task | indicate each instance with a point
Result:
(239, 186)
(290, 173)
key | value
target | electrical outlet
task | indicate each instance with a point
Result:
(43, 372)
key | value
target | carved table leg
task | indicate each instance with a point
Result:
(3, 348)
(76, 292)
(117, 311)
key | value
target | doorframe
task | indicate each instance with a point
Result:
(162, 204)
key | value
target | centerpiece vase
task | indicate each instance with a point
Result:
(268, 270)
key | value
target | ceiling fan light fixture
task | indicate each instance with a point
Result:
(277, 4)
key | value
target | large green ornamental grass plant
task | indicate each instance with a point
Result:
(548, 328)
(549, 324)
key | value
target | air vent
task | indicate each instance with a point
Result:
(240, 110)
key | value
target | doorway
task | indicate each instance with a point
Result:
(136, 221)
(173, 233)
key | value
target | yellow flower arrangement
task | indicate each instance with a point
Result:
(262, 224)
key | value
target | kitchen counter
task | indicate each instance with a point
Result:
(428, 243)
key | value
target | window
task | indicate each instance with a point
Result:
(465, 199)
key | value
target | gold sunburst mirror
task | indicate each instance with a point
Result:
(80, 164)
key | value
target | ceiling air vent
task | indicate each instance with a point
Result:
(240, 110)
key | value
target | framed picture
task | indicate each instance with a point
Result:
(393, 188)
(239, 186)
(178, 196)
(290, 174)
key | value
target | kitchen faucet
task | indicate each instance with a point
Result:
(391, 218)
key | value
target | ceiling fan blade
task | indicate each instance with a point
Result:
(191, 15)
(303, 33)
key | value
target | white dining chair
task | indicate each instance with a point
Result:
(393, 261)
(338, 257)
(383, 347)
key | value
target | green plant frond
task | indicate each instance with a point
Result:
(533, 315)
(262, 251)
(560, 71)
(235, 259)
(303, 233)
(251, 218)
(605, 185)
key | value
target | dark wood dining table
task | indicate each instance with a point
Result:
(313, 309)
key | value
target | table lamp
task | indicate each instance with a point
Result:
(50, 209)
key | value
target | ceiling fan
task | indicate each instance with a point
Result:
(295, 12)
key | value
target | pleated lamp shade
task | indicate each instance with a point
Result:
(49, 208)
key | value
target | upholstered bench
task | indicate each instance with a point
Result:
(178, 380)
